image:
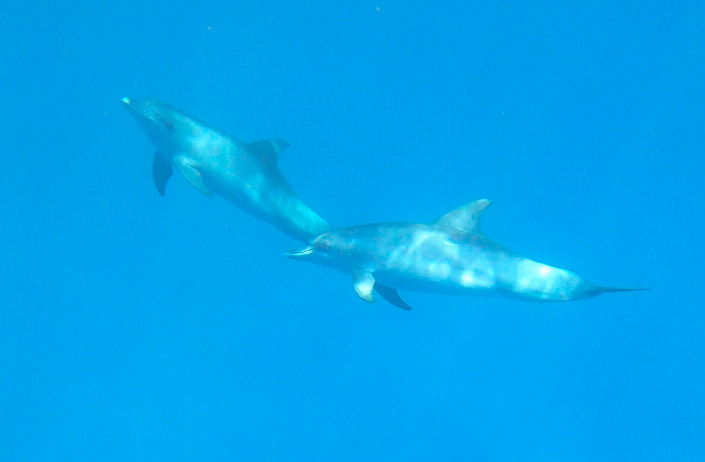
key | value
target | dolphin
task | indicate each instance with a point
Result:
(215, 163)
(450, 256)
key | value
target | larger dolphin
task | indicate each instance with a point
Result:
(218, 164)
(448, 256)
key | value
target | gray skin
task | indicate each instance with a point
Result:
(449, 256)
(215, 163)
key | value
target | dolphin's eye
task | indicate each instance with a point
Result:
(169, 126)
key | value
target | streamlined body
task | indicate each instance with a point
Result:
(217, 164)
(449, 256)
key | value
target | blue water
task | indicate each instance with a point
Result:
(136, 327)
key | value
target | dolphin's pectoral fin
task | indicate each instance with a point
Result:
(391, 295)
(192, 175)
(364, 282)
(466, 217)
(268, 150)
(161, 171)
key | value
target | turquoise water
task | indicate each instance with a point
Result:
(141, 327)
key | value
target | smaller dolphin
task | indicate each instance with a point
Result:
(448, 256)
(215, 163)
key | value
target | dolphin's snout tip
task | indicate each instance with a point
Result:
(300, 253)
(126, 101)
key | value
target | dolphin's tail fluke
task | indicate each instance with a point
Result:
(588, 290)
(603, 290)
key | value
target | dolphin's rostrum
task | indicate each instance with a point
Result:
(448, 256)
(215, 163)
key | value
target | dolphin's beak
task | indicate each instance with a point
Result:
(138, 108)
(301, 254)
(131, 107)
(129, 104)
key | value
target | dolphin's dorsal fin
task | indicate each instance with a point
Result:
(391, 295)
(364, 282)
(268, 150)
(161, 171)
(192, 175)
(465, 217)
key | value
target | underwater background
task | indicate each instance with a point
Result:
(141, 327)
